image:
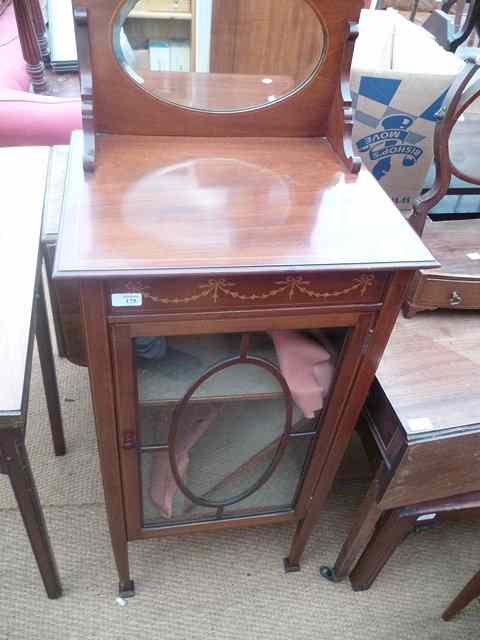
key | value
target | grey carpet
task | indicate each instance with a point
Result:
(229, 584)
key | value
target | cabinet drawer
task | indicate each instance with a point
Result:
(174, 295)
(448, 292)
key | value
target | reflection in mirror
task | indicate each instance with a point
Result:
(219, 55)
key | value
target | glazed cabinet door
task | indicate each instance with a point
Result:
(221, 426)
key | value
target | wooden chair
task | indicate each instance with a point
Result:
(451, 34)
(456, 285)
(24, 317)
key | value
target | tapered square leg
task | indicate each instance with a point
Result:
(390, 532)
(466, 595)
(126, 589)
(291, 567)
(49, 376)
(17, 466)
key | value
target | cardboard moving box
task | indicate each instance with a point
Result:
(399, 79)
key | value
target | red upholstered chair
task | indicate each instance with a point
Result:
(27, 118)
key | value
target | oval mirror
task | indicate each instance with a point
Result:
(219, 55)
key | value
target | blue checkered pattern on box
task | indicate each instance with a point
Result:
(383, 92)
(377, 105)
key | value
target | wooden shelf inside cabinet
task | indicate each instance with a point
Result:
(188, 357)
(161, 15)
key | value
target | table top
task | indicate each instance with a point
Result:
(170, 206)
(23, 171)
(456, 245)
(430, 373)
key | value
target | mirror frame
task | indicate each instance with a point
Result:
(113, 104)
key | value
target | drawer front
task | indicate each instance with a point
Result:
(174, 295)
(447, 292)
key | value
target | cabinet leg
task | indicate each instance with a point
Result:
(305, 526)
(126, 589)
(126, 586)
(103, 396)
(392, 530)
(289, 567)
(466, 595)
(409, 309)
(17, 465)
(49, 376)
(358, 537)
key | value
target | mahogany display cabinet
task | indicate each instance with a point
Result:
(240, 273)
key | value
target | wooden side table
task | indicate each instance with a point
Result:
(396, 524)
(424, 414)
(456, 284)
(25, 318)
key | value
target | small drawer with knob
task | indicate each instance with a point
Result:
(447, 291)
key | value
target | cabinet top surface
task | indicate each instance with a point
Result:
(194, 205)
(19, 242)
(430, 373)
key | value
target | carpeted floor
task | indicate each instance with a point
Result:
(223, 585)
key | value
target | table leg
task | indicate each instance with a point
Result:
(47, 364)
(466, 595)
(413, 12)
(358, 538)
(17, 465)
(392, 530)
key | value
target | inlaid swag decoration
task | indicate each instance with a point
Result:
(215, 289)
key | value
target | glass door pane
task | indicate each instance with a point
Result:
(226, 422)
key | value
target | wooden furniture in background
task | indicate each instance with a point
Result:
(453, 33)
(30, 29)
(163, 20)
(208, 230)
(64, 296)
(395, 525)
(40, 29)
(456, 285)
(470, 591)
(3, 5)
(425, 419)
(25, 317)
